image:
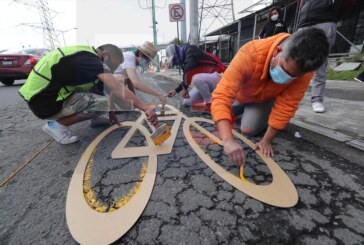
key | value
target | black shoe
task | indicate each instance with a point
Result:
(360, 78)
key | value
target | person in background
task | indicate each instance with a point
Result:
(141, 57)
(66, 87)
(215, 51)
(322, 14)
(200, 68)
(274, 24)
(266, 81)
(360, 77)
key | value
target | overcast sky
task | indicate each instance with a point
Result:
(122, 22)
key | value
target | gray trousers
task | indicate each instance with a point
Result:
(253, 117)
(318, 81)
(205, 83)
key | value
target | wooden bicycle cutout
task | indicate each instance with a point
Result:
(90, 226)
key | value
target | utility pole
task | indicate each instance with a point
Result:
(183, 25)
(155, 34)
(194, 38)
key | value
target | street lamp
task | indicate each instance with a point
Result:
(64, 41)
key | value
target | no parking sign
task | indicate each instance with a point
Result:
(177, 12)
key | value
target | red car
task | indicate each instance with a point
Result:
(16, 65)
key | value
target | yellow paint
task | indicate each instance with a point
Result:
(219, 142)
(242, 174)
(124, 200)
(88, 192)
(98, 205)
(161, 134)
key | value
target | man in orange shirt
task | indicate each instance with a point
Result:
(267, 79)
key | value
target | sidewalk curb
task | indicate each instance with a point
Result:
(332, 134)
(342, 149)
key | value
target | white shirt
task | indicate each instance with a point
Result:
(129, 62)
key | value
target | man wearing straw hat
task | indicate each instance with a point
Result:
(126, 72)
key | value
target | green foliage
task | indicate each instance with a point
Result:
(356, 58)
(343, 75)
(177, 41)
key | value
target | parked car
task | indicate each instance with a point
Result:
(17, 64)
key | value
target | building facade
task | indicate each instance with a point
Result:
(231, 37)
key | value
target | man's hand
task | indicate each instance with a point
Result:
(265, 147)
(152, 117)
(235, 152)
(172, 93)
(162, 99)
(185, 94)
(113, 118)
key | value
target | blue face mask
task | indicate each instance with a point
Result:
(143, 63)
(279, 76)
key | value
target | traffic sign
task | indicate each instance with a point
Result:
(177, 12)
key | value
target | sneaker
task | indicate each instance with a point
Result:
(360, 78)
(101, 121)
(60, 133)
(318, 107)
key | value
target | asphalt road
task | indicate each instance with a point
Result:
(190, 204)
(9, 94)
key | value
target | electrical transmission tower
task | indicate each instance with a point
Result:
(214, 14)
(50, 38)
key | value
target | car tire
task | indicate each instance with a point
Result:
(8, 82)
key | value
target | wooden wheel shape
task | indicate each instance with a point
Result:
(88, 226)
(281, 192)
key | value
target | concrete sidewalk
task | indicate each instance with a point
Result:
(344, 116)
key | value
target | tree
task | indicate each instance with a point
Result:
(176, 41)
